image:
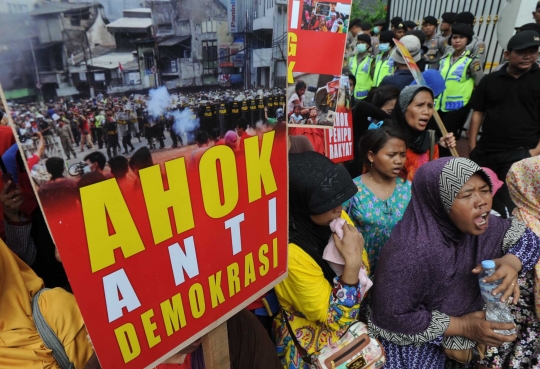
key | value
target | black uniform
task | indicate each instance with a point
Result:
(111, 136)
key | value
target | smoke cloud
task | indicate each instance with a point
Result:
(185, 123)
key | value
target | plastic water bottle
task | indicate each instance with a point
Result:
(496, 311)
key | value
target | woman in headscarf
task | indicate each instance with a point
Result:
(426, 296)
(317, 305)
(412, 113)
(523, 182)
(20, 344)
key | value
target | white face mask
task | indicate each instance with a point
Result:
(361, 48)
(384, 47)
(87, 169)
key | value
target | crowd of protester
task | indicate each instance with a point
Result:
(393, 239)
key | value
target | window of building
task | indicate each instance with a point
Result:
(210, 57)
(209, 26)
(148, 60)
(263, 39)
(170, 66)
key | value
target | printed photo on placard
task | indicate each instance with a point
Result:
(313, 99)
(322, 16)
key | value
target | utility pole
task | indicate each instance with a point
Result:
(88, 76)
(38, 81)
(156, 59)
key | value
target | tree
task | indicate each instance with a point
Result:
(369, 12)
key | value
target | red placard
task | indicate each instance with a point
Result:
(316, 41)
(339, 140)
(156, 265)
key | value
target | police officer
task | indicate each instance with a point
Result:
(111, 134)
(477, 46)
(461, 71)
(360, 67)
(446, 25)
(436, 45)
(398, 27)
(384, 64)
(122, 119)
(133, 123)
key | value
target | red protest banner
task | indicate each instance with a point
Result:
(317, 33)
(317, 36)
(339, 140)
(158, 262)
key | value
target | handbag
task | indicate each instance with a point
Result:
(354, 350)
(474, 354)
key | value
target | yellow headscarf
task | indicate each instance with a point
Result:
(523, 182)
(20, 343)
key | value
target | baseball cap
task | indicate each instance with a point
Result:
(430, 20)
(523, 40)
(412, 43)
(448, 17)
(434, 80)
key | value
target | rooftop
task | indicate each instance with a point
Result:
(49, 7)
(135, 24)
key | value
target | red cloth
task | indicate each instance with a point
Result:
(31, 161)
(314, 135)
(83, 124)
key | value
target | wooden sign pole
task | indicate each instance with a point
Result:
(216, 348)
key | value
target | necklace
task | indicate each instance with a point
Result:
(378, 185)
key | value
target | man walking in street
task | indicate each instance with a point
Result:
(66, 138)
(507, 105)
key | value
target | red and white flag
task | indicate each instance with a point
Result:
(120, 67)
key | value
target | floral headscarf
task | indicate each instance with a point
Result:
(523, 181)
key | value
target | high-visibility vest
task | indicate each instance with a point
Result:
(362, 73)
(459, 87)
(383, 68)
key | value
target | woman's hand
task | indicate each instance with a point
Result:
(350, 248)
(507, 269)
(474, 326)
(11, 201)
(448, 141)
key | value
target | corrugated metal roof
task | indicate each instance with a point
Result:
(173, 41)
(132, 23)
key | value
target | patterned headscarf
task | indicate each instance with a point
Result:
(523, 181)
(427, 250)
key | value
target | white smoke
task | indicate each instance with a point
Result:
(185, 123)
(158, 102)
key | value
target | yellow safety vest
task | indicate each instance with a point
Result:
(383, 68)
(459, 87)
(362, 72)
